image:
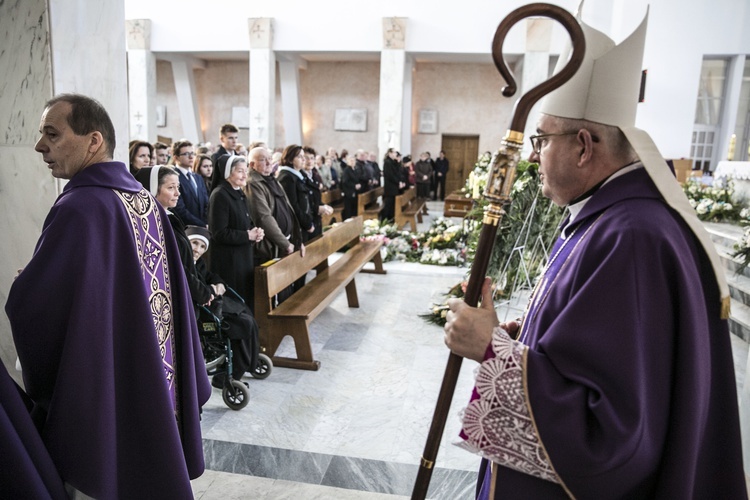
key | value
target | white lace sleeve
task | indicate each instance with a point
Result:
(498, 424)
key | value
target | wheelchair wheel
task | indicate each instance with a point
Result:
(214, 360)
(263, 368)
(236, 396)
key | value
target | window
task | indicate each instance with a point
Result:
(708, 113)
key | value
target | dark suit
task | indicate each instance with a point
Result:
(392, 171)
(192, 207)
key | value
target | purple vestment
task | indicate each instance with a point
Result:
(106, 334)
(623, 386)
(26, 469)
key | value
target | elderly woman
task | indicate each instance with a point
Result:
(233, 232)
(240, 326)
(140, 153)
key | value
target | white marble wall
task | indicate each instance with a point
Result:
(26, 188)
(89, 57)
(71, 50)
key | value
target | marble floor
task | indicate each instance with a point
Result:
(356, 428)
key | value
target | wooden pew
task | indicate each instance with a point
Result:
(369, 203)
(335, 200)
(409, 209)
(294, 315)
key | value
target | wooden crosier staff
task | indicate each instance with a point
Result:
(501, 176)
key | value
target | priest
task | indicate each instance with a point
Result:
(618, 381)
(104, 326)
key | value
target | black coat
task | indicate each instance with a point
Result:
(231, 249)
(316, 200)
(298, 193)
(392, 175)
(199, 291)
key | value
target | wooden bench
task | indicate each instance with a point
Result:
(293, 316)
(369, 203)
(335, 200)
(409, 209)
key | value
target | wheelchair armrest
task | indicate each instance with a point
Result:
(234, 294)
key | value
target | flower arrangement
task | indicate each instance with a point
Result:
(477, 179)
(712, 203)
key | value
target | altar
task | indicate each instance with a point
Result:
(739, 172)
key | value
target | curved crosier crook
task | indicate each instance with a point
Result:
(524, 104)
(499, 184)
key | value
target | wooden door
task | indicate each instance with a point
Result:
(462, 152)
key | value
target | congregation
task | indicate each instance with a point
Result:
(252, 205)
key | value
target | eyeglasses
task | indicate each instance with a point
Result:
(187, 154)
(537, 143)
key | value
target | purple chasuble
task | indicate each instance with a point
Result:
(624, 386)
(106, 333)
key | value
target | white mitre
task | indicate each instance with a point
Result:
(605, 90)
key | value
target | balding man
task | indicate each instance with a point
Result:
(271, 210)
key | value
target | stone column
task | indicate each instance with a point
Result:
(90, 61)
(392, 66)
(535, 68)
(290, 103)
(184, 85)
(406, 114)
(141, 80)
(262, 81)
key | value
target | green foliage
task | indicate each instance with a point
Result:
(528, 230)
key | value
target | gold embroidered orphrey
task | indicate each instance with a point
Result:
(143, 213)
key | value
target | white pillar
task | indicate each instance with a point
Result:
(392, 66)
(34, 69)
(141, 80)
(262, 81)
(406, 115)
(290, 103)
(535, 69)
(184, 85)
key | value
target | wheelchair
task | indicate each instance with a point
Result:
(217, 352)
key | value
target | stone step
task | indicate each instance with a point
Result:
(739, 320)
(724, 237)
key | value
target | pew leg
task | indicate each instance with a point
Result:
(378, 262)
(351, 294)
(297, 329)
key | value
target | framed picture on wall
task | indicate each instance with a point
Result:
(352, 119)
(428, 121)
